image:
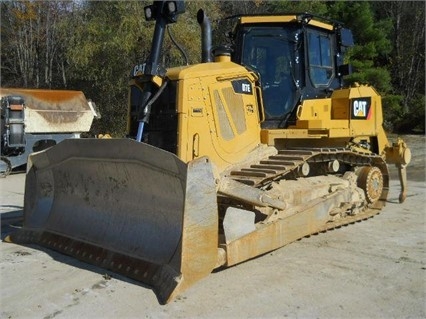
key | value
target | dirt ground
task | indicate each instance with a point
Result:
(372, 269)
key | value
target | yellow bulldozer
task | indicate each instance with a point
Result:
(255, 147)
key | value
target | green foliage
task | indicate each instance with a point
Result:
(377, 77)
(104, 47)
(396, 119)
(392, 111)
(288, 6)
(413, 121)
(372, 43)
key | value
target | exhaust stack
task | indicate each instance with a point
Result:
(206, 36)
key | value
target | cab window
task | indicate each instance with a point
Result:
(321, 70)
(270, 52)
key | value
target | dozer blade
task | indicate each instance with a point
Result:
(125, 206)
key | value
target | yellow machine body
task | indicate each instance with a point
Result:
(215, 121)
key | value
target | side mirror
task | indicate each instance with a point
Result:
(345, 37)
(344, 69)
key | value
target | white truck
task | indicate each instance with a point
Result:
(35, 119)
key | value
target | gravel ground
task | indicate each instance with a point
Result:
(372, 269)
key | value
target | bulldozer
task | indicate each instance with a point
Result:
(259, 145)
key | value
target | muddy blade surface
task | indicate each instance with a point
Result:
(124, 206)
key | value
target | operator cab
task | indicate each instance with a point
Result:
(296, 57)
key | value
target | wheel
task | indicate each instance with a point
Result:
(370, 179)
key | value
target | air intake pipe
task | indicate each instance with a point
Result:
(206, 36)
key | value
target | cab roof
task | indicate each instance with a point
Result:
(302, 18)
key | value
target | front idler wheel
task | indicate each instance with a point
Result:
(370, 179)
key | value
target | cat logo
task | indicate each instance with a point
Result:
(361, 108)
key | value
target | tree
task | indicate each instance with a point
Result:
(406, 62)
(372, 45)
(408, 34)
(407, 65)
(103, 47)
(33, 43)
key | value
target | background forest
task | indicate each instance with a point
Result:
(92, 46)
